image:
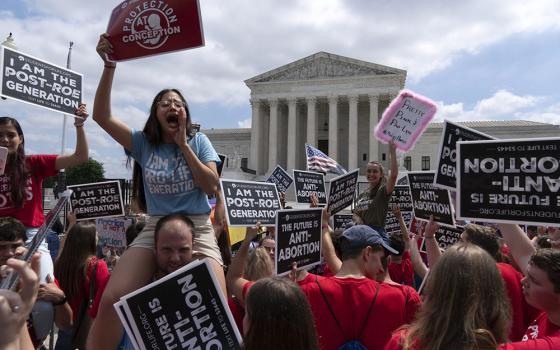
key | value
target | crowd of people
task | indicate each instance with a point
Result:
(497, 288)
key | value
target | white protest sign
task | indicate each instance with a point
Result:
(405, 120)
(31, 80)
(112, 231)
(3, 157)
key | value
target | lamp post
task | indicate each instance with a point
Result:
(10, 42)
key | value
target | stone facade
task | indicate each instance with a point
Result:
(333, 103)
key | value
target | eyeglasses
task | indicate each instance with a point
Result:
(167, 104)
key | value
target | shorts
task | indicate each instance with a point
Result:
(204, 244)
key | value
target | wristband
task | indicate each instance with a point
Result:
(78, 125)
(110, 67)
(325, 226)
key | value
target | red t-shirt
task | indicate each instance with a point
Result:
(522, 312)
(546, 343)
(411, 300)
(541, 327)
(396, 340)
(101, 278)
(31, 214)
(350, 299)
(310, 278)
(237, 311)
(402, 273)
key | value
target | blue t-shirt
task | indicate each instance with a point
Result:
(168, 181)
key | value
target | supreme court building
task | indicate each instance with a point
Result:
(333, 103)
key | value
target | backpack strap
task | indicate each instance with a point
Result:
(336, 320)
(92, 278)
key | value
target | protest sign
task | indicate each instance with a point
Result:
(401, 198)
(145, 28)
(112, 231)
(183, 310)
(220, 166)
(3, 157)
(298, 239)
(342, 190)
(429, 200)
(447, 236)
(446, 167)
(405, 119)
(281, 178)
(248, 202)
(34, 81)
(307, 183)
(97, 200)
(392, 225)
(341, 221)
(509, 181)
(402, 180)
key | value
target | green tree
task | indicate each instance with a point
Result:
(90, 171)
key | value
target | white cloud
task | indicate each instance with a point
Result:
(504, 102)
(245, 123)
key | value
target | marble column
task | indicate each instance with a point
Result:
(312, 121)
(292, 139)
(273, 135)
(352, 132)
(256, 137)
(333, 127)
(373, 119)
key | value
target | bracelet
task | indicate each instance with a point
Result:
(110, 67)
(61, 301)
(78, 125)
(324, 226)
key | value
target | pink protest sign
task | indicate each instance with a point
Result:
(405, 120)
(139, 28)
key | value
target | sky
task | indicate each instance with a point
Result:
(479, 59)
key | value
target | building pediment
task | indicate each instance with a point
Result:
(324, 65)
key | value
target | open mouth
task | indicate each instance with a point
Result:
(172, 120)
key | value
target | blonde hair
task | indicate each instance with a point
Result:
(259, 265)
(466, 306)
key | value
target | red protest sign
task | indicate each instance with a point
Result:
(140, 28)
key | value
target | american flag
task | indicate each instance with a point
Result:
(318, 161)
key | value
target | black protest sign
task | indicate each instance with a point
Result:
(298, 239)
(392, 225)
(446, 168)
(447, 236)
(183, 310)
(97, 200)
(308, 183)
(220, 166)
(248, 202)
(341, 221)
(401, 198)
(281, 178)
(342, 190)
(429, 200)
(31, 80)
(509, 181)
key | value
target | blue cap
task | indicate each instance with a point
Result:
(361, 236)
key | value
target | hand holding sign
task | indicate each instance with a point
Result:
(104, 48)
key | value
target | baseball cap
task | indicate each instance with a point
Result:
(361, 236)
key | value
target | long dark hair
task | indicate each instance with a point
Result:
(153, 133)
(79, 248)
(17, 170)
(279, 316)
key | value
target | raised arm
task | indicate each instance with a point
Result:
(81, 152)
(432, 247)
(234, 278)
(329, 253)
(102, 114)
(419, 267)
(392, 180)
(519, 244)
